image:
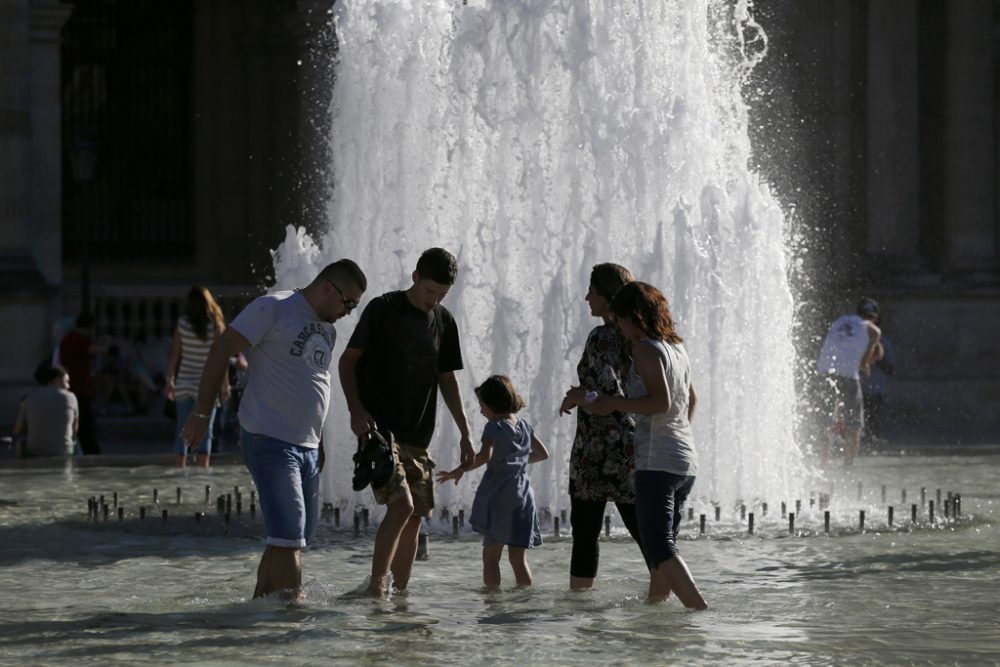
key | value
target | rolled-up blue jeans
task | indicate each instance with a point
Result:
(287, 480)
(659, 501)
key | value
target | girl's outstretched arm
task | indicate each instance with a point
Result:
(482, 456)
(445, 475)
(538, 451)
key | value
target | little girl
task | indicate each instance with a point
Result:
(504, 508)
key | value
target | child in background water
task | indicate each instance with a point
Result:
(504, 508)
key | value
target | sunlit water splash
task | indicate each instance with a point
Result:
(534, 140)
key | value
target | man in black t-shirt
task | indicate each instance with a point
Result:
(405, 346)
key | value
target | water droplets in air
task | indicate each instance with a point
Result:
(535, 140)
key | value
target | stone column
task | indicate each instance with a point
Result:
(14, 126)
(45, 205)
(849, 134)
(969, 198)
(247, 161)
(30, 159)
(271, 54)
(893, 132)
(996, 124)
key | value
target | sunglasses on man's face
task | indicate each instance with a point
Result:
(349, 303)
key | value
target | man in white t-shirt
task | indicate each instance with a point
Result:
(850, 348)
(49, 417)
(290, 338)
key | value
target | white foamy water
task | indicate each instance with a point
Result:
(534, 140)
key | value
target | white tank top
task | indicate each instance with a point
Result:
(665, 441)
(845, 345)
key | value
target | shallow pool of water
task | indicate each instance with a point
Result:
(107, 593)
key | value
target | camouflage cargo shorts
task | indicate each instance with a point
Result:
(414, 473)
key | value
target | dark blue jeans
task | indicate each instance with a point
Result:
(659, 501)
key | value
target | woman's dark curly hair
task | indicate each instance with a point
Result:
(647, 307)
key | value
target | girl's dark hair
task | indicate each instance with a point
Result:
(202, 311)
(607, 279)
(648, 308)
(498, 394)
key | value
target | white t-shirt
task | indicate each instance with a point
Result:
(845, 345)
(49, 413)
(288, 380)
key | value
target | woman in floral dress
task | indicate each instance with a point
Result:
(601, 466)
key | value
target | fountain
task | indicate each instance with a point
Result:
(535, 140)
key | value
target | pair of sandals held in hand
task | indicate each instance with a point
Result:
(373, 462)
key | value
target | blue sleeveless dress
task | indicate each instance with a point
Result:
(504, 508)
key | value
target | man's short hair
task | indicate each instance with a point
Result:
(438, 265)
(84, 320)
(48, 375)
(344, 270)
(867, 307)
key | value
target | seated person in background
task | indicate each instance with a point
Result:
(49, 417)
(111, 380)
(227, 426)
(146, 385)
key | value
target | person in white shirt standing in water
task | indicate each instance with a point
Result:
(849, 350)
(290, 336)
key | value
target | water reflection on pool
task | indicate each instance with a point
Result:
(78, 592)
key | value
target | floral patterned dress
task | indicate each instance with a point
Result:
(602, 463)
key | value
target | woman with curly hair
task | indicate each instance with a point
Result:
(662, 398)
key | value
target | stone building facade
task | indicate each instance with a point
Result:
(146, 146)
(192, 127)
(879, 123)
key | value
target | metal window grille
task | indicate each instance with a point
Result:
(126, 105)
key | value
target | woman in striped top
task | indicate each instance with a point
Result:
(193, 337)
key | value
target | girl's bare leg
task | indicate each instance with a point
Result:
(518, 557)
(491, 565)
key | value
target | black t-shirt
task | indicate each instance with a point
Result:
(404, 351)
